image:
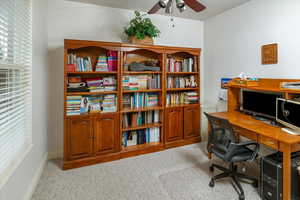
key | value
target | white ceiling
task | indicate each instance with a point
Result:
(214, 7)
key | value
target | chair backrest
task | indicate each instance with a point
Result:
(221, 133)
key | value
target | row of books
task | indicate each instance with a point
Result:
(79, 64)
(141, 82)
(131, 138)
(185, 65)
(109, 103)
(77, 105)
(140, 100)
(102, 84)
(140, 118)
(181, 82)
(178, 98)
(107, 62)
(73, 105)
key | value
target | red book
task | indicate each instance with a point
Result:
(112, 60)
(71, 68)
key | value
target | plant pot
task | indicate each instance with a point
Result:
(146, 40)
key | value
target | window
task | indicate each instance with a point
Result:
(15, 83)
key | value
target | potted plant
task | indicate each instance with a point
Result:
(141, 30)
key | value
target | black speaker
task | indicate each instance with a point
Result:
(271, 177)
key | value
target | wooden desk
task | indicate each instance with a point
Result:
(269, 135)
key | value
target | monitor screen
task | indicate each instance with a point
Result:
(288, 113)
(260, 103)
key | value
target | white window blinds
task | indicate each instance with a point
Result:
(15, 82)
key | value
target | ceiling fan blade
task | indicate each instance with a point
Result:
(155, 8)
(195, 5)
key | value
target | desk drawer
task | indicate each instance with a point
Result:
(268, 141)
(245, 133)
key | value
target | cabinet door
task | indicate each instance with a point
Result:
(191, 121)
(80, 138)
(106, 133)
(174, 124)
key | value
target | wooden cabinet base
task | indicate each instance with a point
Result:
(90, 161)
(126, 153)
(178, 143)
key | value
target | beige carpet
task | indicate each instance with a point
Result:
(176, 174)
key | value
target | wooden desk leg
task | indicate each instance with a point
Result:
(209, 155)
(286, 172)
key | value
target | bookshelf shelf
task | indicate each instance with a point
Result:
(181, 89)
(95, 137)
(142, 127)
(143, 72)
(99, 73)
(147, 90)
(181, 105)
(141, 146)
(91, 93)
(126, 110)
(90, 114)
(182, 73)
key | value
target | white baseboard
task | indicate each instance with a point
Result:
(54, 155)
(36, 178)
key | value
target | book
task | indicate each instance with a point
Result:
(109, 103)
(178, 98)
(101, 84)
(180, 65)
(140, 100)
(140, 118)
(144, 136)
(182, 82)
(102, 65)
(84, 106)
(107, 62)
(78, 64)
(94, 104)
(112, 60)
(141, 82)
(73, 105)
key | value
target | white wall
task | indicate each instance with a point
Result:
(234, 38)
(21, 183)
(72, 20)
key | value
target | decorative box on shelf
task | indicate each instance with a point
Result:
(244, 82)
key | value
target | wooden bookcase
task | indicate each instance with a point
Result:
(98, 137)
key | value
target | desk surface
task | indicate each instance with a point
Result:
(247, 122)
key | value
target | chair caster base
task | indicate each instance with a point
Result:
(255, 184)
(212, 183)
(242, 197)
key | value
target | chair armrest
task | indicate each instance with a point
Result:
(234, 147)
(250, 143)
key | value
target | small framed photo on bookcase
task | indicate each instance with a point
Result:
(269, 54)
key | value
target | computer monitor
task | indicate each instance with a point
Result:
(260, 103)
(288, 114)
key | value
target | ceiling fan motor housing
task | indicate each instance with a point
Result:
(163, 3)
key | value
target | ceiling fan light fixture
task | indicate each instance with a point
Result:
(180, 4)
(163, 3)
(182, 9)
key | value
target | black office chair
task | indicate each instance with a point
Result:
(222, 143)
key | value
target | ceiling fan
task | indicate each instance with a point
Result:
(180, 4)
